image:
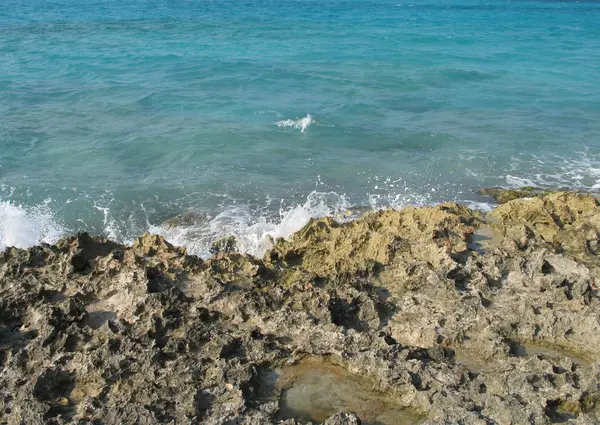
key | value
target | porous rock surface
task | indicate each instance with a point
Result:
(461, 317)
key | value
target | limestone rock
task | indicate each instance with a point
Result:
(452, 315)
(343, 418)
(225, 245)
(188, 219)
(505, 195)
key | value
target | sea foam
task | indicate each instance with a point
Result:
(23, 227)
(253, 234)
(299, 124)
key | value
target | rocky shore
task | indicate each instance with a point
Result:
(439, 315)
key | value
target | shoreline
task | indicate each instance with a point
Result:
(449, 315)
(197, 229)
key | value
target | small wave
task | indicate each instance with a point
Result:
(23, 227)
(253, 234)
(112, 230)
(299, 124)
(254, 227)
(582, 172)
(514, 181)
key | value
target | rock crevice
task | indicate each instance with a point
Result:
(446, 313)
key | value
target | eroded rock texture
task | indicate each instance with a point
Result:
(446, 314)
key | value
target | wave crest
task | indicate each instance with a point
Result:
(254, 235)
(299, 124)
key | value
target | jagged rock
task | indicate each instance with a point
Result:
(343, 418)
(505, 195)
(225, 245)
(188, 219)
(329, 249)
(455, 316)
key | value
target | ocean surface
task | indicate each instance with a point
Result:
(257, 115)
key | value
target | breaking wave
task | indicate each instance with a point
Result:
(23, 227)
(254, 235)
(299, 124)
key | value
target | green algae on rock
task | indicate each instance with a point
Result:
(505, 195)
(453, 315)
(188, 219)
(226, 244)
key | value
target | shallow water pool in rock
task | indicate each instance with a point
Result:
(484, 238)
(520, 349)
(312, 390)
(471, 361)
(476, 363)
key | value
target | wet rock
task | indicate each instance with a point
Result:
(225, 245)
(343, 418)
(505, 195)
(434, 315)
(189, 219)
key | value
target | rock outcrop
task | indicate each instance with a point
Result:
(446, 314)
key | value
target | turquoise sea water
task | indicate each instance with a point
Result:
(115, 115)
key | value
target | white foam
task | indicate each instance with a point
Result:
(519, 181)
(578, 171)
(255, 231)
(397, 194)
(23, 227)
(254, 235)
(111, 227)
(299, 124)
